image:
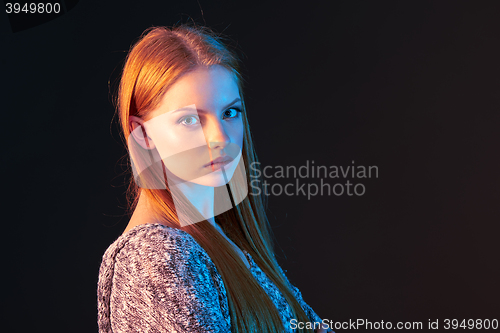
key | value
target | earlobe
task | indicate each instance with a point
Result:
(138, 132)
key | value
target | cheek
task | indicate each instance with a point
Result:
(237, 134)
(173, 142)
(166, 144)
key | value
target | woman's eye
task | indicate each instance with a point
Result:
(231, 113)
(190, 121)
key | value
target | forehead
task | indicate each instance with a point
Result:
(209, 88)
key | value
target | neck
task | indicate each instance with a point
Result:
(201, 197)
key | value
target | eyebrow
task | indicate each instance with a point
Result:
(237, 99)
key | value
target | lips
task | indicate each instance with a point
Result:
(219, 161)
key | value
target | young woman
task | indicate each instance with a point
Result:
(197, 254)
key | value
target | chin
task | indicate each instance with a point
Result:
(212, 180)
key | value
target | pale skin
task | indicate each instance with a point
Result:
(214, 91)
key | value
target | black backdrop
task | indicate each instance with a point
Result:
(409, 87)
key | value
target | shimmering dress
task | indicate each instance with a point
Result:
(155, 278)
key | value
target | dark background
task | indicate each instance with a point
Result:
(409, 86)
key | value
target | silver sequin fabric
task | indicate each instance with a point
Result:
(155, 278)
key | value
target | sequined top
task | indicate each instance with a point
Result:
(155, 278)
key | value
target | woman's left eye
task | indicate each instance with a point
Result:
(231, 113)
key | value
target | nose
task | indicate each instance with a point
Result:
(216, 135)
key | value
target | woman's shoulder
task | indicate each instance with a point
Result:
(162, 272)
(152, 241)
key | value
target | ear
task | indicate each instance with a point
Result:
(138, 132)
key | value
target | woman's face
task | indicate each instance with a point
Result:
(197, 128)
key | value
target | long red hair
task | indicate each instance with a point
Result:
(159, 57)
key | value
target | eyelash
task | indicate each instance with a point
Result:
(238, 110)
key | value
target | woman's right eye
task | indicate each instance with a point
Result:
(189, 121)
